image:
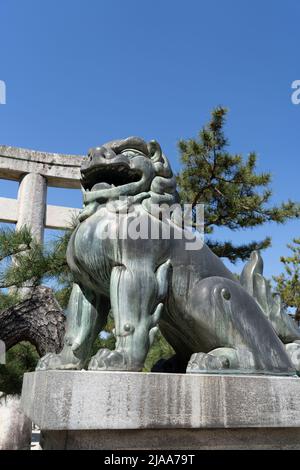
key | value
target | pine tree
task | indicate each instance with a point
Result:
(33, 264)
(233, 194)
(288, 283)
(11, 243)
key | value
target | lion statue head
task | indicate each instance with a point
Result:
(128, 168)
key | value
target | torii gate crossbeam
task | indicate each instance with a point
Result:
(35, 171)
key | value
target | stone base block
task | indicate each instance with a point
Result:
(120, 410)
(174, 439)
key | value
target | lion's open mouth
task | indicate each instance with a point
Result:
(109, 176)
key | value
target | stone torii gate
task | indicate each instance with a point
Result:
(35, 171)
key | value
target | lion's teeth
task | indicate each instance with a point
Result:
(100, 186)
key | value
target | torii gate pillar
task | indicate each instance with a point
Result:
(32, 196)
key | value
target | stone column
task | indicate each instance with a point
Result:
(32, 204)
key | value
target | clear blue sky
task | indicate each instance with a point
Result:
(79, 73)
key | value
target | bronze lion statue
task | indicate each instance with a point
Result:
(151, 281)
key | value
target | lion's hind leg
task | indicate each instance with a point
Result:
(222, 360)
(233, 332)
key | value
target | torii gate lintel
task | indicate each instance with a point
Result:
(35, 171)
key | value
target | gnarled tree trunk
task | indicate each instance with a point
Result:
(38, 319)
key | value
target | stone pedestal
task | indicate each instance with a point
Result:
(120, 410)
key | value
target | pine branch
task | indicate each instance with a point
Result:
(235, 252)
(233, 193)
(13, 242)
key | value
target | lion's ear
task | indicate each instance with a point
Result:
(154, 150)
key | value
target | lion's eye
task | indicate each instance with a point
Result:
(130, 153)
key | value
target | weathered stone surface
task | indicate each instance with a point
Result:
(35, 171)
(15, 427)
(61, 170)
(57, 217)
(174, 439)
(87, 400)
(8, 210)
(32, 196)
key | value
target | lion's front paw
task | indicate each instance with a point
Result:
(49, 361)
(105, 359)
(52, 361)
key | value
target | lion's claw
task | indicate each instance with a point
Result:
(52, 361)
(105, 359)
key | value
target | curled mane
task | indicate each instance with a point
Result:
(163, 186)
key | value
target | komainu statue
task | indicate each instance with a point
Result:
(214, 323)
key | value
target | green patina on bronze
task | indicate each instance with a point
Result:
(201, 309)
